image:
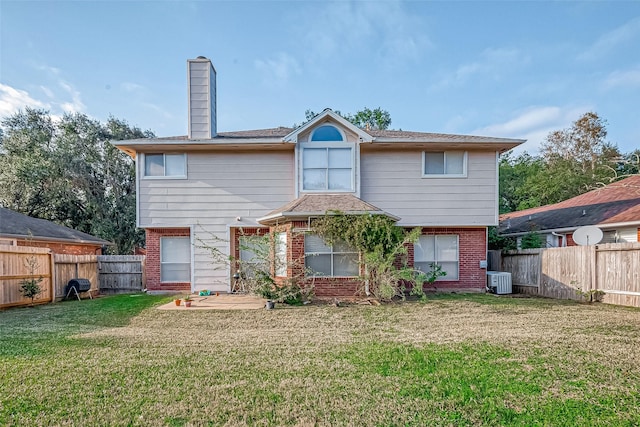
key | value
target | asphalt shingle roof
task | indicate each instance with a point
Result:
(615, 203)
(15, 224)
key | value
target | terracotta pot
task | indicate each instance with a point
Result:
(177, 302)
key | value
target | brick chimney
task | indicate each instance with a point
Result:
(201, 81)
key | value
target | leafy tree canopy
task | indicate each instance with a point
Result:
(68, 172)
(373, 119)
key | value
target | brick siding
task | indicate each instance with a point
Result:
(152, 269)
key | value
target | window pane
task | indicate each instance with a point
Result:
(423, 266)
(153, 165)
(339, 179)
(175, 272)
(281, 254)
(314, 179)
(451, 268)
(342, 247)
(340, 158)
(315, 244)
(326, 133)
(345, 265)
(175, 249)
(447, 248)
(174, 165)
(455, 162)
(424, 249)
(434, 163)
(320, 264)
(314, 158)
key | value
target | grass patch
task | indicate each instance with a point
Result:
(454, 360)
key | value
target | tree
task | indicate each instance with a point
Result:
(67, 171)
(377, 118)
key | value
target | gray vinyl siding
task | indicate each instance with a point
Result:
(220, 187)
(202, 99)
(394, 183)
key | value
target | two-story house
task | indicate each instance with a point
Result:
(214, 188)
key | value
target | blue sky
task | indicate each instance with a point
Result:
(511, 69)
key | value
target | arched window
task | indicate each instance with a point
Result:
(327, 133)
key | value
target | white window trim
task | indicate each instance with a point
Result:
(332, 253)
(445, 175)
(190, 259)
(327, 144)
(444, 278)
(144, 168)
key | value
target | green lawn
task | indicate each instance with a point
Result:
(454, 360)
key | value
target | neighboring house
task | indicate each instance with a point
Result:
(614, 208)
(217, 187)
(22, 230)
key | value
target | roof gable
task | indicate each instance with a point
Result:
(328, 115)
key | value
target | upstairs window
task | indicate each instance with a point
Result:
(339, 260)
(169, 165)
(327, 133)
(327, 161)
(327, 169)
(444, 164)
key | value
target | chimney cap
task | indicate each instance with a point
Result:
(202, 57)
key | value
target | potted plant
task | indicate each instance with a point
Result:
(177, 301)
(187, 301)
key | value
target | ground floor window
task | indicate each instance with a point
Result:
(254, 255)
(175, 259)
(339, 260)
(442, 250)
(281, 254)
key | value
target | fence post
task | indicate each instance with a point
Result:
(52, 280)
(594, 270)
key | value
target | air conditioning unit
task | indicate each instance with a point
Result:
(499, 282)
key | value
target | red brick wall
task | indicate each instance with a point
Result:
(64, 248)
(570, 241)
(152, 269)
(472, 249)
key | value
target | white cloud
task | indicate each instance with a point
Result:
(12, 100)
(491, 62)
(131, 87)
(278, 70)
(384, 31)
(534, 124)
(625, 79)
(47, 91)
(608, 41)
(75, 105)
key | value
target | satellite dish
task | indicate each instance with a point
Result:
(587, 235)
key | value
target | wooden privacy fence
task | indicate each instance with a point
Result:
(108, 274)
(572, 272)
(69, 267)
(121, 273)
(19, 263)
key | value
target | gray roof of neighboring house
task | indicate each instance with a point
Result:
(615, 203)
(17, 225)
(319, 204)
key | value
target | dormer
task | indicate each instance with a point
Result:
(328, 155)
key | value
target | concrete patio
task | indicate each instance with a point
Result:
(220, 302)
